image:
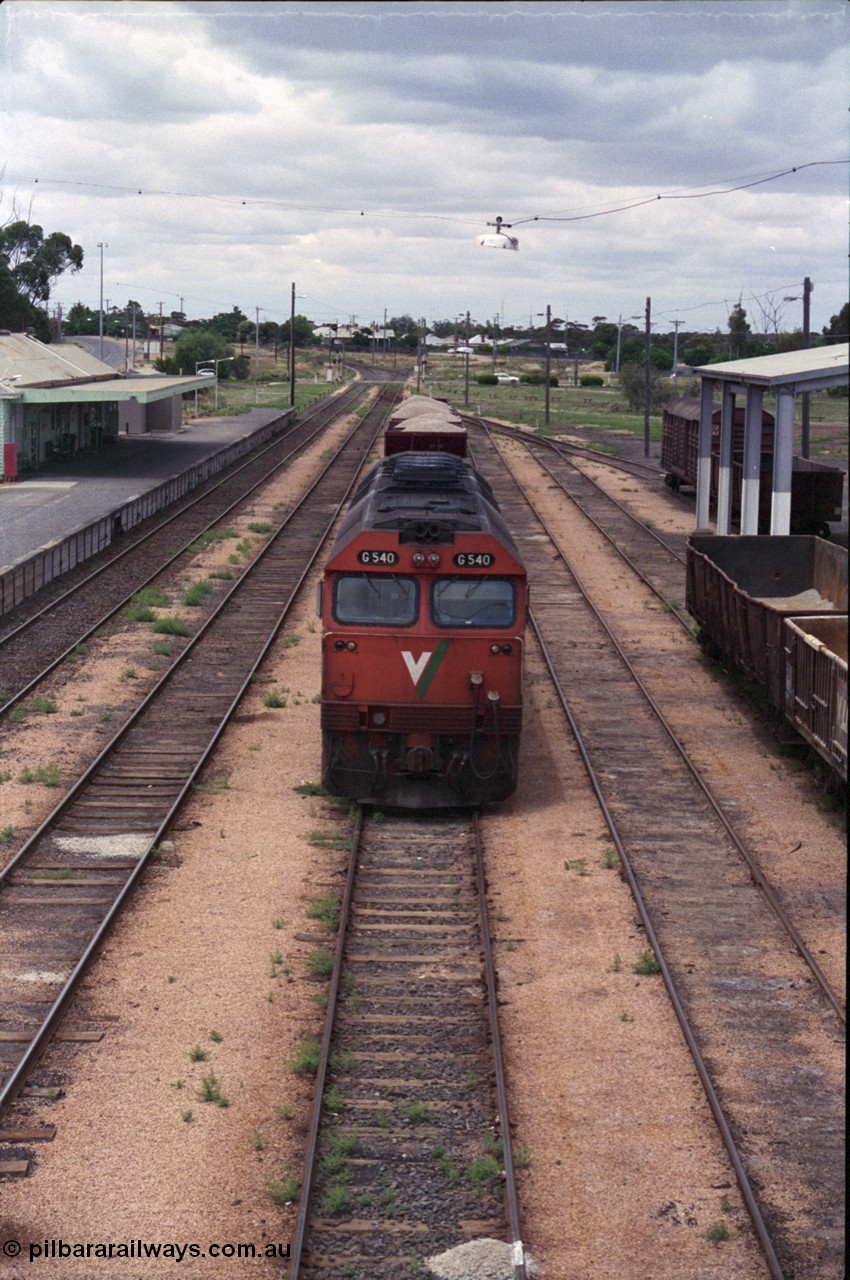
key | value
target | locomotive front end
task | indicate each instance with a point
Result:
(422, 642)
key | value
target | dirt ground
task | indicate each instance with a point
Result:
(205, 976)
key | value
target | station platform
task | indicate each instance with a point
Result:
(46, 506)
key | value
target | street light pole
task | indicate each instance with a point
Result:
(101, 246)
(548, 356)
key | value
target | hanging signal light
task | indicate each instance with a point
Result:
(499, 239)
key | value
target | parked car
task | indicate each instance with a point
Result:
(506, 377)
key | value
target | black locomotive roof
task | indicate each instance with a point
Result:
(426, 497)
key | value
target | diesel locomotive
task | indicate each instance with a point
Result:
(423, 605)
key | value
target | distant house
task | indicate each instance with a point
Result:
(58, 400)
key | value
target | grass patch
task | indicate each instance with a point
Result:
(414, 1111)
(284, 1190)
(320, 963)
(646, 964)
(47, 774)
(211, 536)
(334, 1099)
(484, 1173)
(305, 1060)
(197, 592)
(42, 706)
(153, 597)
(171, 627)
(273, 699)
(326, 910)
(210, 1091)
(717, 1233)
(336, 1201)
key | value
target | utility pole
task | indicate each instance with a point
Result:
(548, 356)
(646, 372)
(466, 358)
(807, 297)
(292, 347)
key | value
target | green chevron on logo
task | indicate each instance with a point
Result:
(423, 669)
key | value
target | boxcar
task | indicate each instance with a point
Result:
(423, 607)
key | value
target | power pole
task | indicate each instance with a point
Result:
(292, 347)
(807, 297)
(548, 356)
(646, 373)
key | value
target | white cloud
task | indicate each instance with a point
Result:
(257, 133)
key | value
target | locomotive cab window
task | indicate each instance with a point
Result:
(473, 602)
(375, 600)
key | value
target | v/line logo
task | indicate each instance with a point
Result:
(423, 669)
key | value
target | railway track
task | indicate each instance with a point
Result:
(65, 887)
(48, 633)
(767, 1041)
(409, 1154)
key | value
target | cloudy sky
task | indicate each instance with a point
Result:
(221, 150)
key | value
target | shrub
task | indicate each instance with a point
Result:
(591, 380)
(487, 380)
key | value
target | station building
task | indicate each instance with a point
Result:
(58, 401)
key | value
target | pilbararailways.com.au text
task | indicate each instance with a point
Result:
(49, 1250)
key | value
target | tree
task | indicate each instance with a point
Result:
(632, 386)
(699, 354)
(837, 329)
(406, 332)
(604, 339)
(739, 332)
(227, 323)
(36, 260)
(304, 335)
(195, 347)
(81, 319)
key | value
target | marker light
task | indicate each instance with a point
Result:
(433, 559)
(418, 558)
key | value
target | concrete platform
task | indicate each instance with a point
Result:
(62, 497)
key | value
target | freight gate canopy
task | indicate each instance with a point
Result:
(787, 375)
